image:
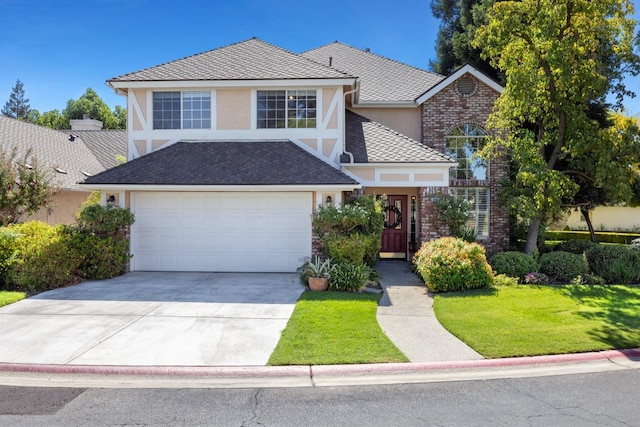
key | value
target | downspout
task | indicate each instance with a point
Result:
(344, 127)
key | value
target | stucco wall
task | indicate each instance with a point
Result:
(607, 218)
(63, 208)
(407, 121)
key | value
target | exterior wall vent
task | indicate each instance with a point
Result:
(466, 86)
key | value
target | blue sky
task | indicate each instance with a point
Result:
(59, 48)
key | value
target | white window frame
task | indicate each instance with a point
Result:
(197, 96)
(474, 195)
(463, 135)
(289, 113)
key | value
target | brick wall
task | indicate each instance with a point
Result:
(440, 115)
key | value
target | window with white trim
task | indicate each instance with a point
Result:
(462, 145)
(279, 109)
(478, 198)
(182, 110)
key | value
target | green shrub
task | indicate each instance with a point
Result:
(348, 277)
(603, 237)
(349, 248)
(504, 280)
(588, 279)
(450, 264)
(615, 264)
(7, 253)
(563, 266)
(101, 257)
(574, 246)
(514, 264)
(43, 259)
(108, 220)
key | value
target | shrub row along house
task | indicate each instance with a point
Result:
(230, 151)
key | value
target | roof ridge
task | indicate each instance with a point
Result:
(374, 54)
(184, 57)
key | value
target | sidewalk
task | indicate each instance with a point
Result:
(405, 314)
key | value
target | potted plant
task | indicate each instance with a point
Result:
(316, 273)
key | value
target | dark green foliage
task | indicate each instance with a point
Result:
(514, 264)
(100, 238)
(450, 264)
(7, 253)
(563, 266)
(615, 264)
(17, 107)
(454, 213)
(348, 277)
(43, 259)
(574, 246)
(588, 279)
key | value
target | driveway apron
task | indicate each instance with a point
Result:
(153, 319)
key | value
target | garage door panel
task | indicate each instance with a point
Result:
(220, 231)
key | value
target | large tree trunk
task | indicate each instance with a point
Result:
(587, 218)
(532, 236)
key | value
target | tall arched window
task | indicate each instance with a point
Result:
(461, 145)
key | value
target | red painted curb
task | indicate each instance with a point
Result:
(309, 371)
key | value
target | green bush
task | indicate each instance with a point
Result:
(7, 253)
(514, 264)
(348, 277)
(346, 248)
(43, 259)
(110, 220)
(588, 279)
(451, 264)
(563, 266)
(504, 280)
(101, 257)
(574, 246)
(615, 264)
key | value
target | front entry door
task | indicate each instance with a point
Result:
(394, 235)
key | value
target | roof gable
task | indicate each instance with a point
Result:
(467, 69)
(252, 59)
(225, 163)
(381, 79)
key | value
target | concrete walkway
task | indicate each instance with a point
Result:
(405, 314)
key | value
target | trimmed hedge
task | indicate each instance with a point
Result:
(575, 246)
(563, 266)
(615, 264)
(514, 264)
(620, 238)
(451, 264)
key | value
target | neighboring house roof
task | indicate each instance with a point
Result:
(105, 145)
(381, 79)
(371, 142)
(225, 163)
(252, 59)
(53, 149)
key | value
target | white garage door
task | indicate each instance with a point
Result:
(243, 232)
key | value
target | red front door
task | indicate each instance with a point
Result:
(394, 235)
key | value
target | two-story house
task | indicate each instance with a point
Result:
(231, 150)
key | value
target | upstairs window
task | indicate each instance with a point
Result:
(462, 145)
(182, 110)
(279, 109)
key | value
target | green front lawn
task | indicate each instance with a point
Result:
(536, 320)
(7, 297)
(334, 328)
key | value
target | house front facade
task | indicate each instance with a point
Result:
(231, 150)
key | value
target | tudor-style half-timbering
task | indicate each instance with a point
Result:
(453, 122)
(158, 118)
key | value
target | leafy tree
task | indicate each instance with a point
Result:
(24, 186)
(17, 106)
(607, 174)
(556, 64)
(459, 21)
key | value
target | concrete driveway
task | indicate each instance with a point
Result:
(151, 319)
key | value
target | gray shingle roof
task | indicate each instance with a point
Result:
(105, 144)
(381, 79)
(225, 163)
(253, 59)
(52, 148)
(371, 142)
